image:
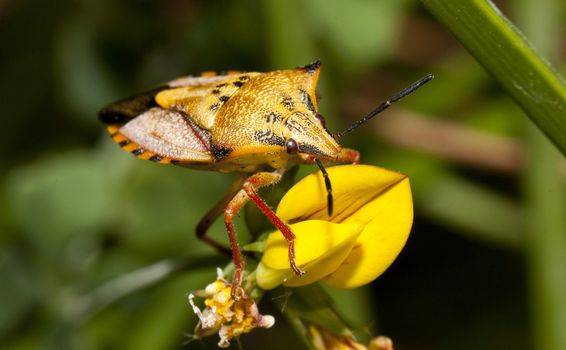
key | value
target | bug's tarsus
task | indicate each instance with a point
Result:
(328, 184)
(385, 105)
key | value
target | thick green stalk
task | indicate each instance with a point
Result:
(545, 192)
(545, 242)
(508, 57)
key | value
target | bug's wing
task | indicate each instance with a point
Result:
(171, 123)
(119, 113)
(164, 136)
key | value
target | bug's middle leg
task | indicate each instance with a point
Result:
(249, 191)
(215, 212)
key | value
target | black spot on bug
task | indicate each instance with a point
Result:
(216, 91)
(214, 107)
(306, 98)
(156, 158)
(244, 77)
(269, 138)
(288, 103)
(292, 125)
(224, 98)
(238, 83)
(312, 67)
(124, 143)
(273, 117)
(220, 151)
(138, 151)
(312, 149)
(221, 85)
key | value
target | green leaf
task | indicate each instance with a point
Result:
(64, 199)
(166, 315)
(18, 293)
(506, 54)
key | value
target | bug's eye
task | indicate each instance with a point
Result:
(321, 119)
(291, 146)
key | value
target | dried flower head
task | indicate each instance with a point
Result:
(226, 315)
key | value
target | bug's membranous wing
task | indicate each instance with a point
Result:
(119, 113)
(202, 97)
(164, 136)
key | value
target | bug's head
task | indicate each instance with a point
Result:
(305, 130)
(307, 137)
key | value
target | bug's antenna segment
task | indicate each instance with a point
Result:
(385, 105)
(329, 200)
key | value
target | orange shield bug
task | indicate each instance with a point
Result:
(250, 123)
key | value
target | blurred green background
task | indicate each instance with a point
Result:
(480, 267)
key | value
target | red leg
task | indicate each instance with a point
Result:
(232, 209)
(215, 212)
(247, 192)
(281, 226)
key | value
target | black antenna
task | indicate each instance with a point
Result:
(385, 105)
(329, 201)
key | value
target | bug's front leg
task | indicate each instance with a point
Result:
(249, 191)
(348, 155)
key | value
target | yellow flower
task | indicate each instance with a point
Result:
(373, 214)
(227, 315)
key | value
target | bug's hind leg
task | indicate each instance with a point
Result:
(215, 212)
(249, 191)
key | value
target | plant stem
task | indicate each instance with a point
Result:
(545, 193)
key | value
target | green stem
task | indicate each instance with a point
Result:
(545, 193)
(545, 242)
(508, 57)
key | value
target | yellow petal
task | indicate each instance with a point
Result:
(353, 187)
(388, 219)
(268, 278)
(325, 265)
(320, 247)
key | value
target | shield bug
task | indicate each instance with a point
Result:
(250, 123)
